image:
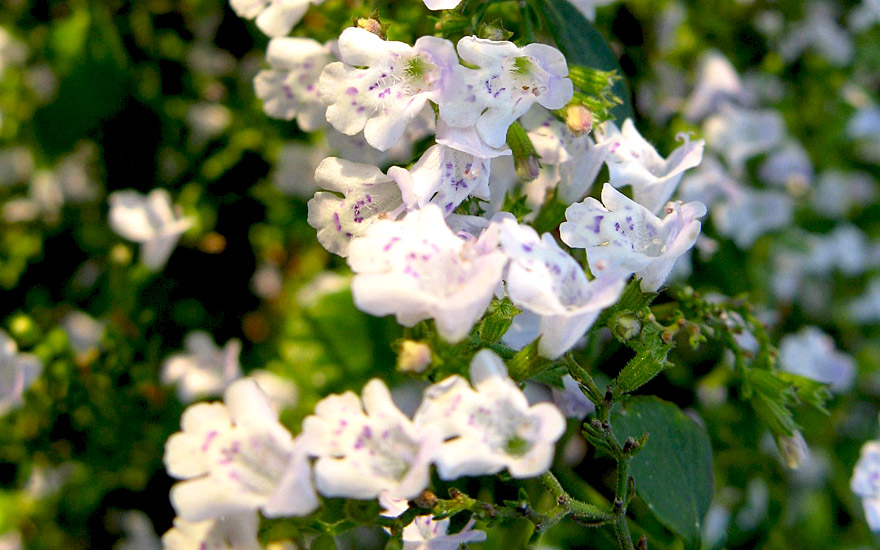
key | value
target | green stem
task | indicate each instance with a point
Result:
(622, 531)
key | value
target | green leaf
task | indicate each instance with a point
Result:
(582, 44)
(673, 472)
(642, 368)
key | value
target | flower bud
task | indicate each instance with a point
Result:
(794, 449)
(578, 118)
(626, 326)
(494, 31)
(527, 168)
(413, 357)
(373, 25)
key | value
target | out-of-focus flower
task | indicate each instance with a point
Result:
(290, 88)
(865, 482)
(235, 457)
(717, 84)
(588, 7)
(739, 134)
(821, 33)
(84, 332)
(491, 426)
(864, 16)
(811, 353)
(838, 192)
(18, 372)
(231, 532)
(788, 167)
(139, 533)
(204, 369)
(149, 220)
(366, 448)
(273, 17)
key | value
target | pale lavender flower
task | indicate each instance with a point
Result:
(544, 279)
(235, 458)
(491, 426)
(622, 235)
(396, 83)
(418, 269)
(633, 161)
(368, 197)
(812, 353)
(204, 369)
(368, 447)
(508, 81)
(290, 88)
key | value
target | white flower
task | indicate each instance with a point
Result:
(281, 392)
(571, 400)
(546, 280)
(236, 458)
(625, 236)
(368, 196)
(417, 268)
(11, 540)
(838, 192)
(491, 427)
(274, 17)
(820, 32)
(149, 220)
(718, 83)
(865, 123)
(356, 149)
(290, 88)
(748, 213)
(16, 165)
(811, 353)
(865, 482)
(204, 369)
(363, 450)
(574, 160)
(18, 372)
(864, 16)
(426, 533)
(740, 134)
(294, 171)
(232, 532)
(788, 167)
(633, 161)
(866, 308)
(84, 332)
(398, 80)
(443, 176)
(139, 532)
(508, 82)
(207, 121)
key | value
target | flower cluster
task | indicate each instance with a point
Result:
(417, 247)
(236, 459)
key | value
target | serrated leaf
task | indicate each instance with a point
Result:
(642, 368)
(582, 44)
(673, 472)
